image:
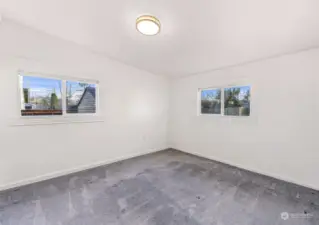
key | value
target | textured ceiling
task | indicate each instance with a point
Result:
(196, 36)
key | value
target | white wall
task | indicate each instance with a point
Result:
(279, 139)
(134, 107)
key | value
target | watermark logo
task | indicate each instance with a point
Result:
(284, 215)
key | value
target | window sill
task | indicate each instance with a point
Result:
(224, 116)
(56, 120)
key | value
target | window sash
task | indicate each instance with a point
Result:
(64, 80)
(201, 100)
(222, 88)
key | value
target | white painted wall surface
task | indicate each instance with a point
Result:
(279, 139)
(134, 108)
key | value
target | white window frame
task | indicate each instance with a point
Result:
(65, 117)
(222, 114)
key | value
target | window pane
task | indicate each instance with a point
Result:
(40, 96)
(211, 101)
(81, 97)
(237, 101)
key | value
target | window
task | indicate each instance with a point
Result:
(229, 101)
(237, 101)
(80, 97)
(211, 101)
(42, 96)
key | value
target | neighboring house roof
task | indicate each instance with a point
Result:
(88, 90)
(76, 96)
(85, 101)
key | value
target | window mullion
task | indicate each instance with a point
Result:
(222, 102)
(64, 97)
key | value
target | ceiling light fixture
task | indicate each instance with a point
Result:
(148, 25)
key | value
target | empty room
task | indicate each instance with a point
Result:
(168, 112)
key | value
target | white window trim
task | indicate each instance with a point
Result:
(57, 119)
(222, 114)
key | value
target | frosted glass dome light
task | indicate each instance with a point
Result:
(148, 25)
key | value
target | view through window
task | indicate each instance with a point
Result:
(41, 96)
(80, 97)
(237, 101)
(44, 96)
(211, 101)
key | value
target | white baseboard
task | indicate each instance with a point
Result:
(254, 170)
(73, 170)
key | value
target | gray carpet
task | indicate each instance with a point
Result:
(164, 188)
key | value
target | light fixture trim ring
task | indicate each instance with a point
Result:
(148, 18)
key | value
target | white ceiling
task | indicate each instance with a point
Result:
(196, 35)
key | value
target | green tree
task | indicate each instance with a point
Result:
(231, 97)
(54, 101)
(219, 94)
(26, 95)
(247, 95)
(213, 96)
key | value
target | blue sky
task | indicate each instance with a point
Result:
(210, 93)
(243, 91)
(38, 82)
(213, 92)
(43, 86)
(75, 86)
